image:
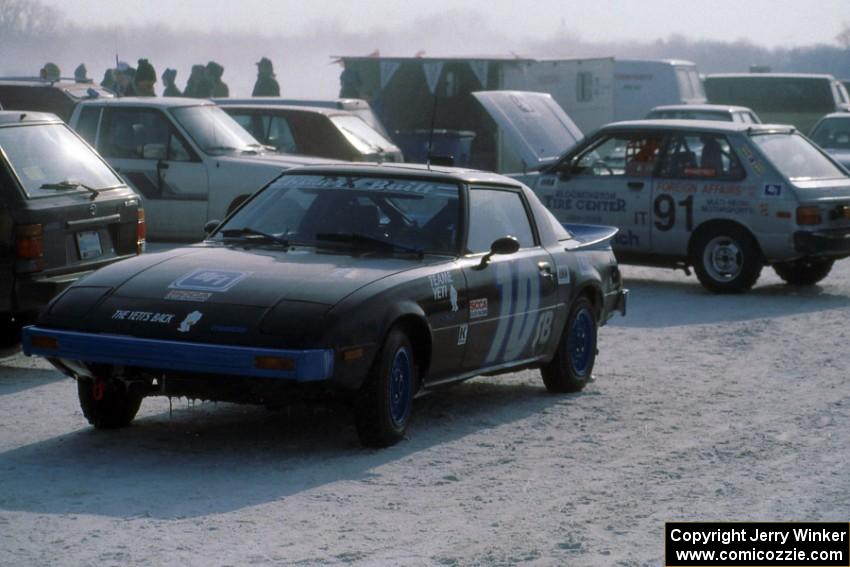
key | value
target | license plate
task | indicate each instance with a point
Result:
(88, 243)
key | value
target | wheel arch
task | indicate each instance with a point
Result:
(413, 323)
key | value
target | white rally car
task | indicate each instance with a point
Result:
(726, 198)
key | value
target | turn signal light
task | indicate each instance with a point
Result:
(141, 231)
(51, 343)
(274, 363)
(808, 215)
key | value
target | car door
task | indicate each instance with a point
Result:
(608, 182)
(155, 159)
(699, 178)
(512, 297)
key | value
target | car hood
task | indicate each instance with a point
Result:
(219, 293)
(283, 161)
(535, 125)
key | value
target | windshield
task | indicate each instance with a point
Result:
(215, 131)
(833, 133)
(797, 158)
(360, 135)
(50, 154)
(352, 211)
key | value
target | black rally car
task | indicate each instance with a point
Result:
(373, 282)
(63, 213)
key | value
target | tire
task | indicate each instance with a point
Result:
(726, 259)
(572, 366)
(805, 271)
(385, 401)
(115, 408)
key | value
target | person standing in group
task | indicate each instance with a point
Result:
(266, 84)
(145, 78)
(218, 88)
(124, 75)
(50, 72)
(168, 78)
(198, 84)
(80, 74)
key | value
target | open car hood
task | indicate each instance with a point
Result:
(535, 125)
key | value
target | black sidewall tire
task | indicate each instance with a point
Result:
(751, 264)
(115, 409)
(559, 375)
(376, 426)
(805, 271)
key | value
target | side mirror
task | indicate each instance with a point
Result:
(504, 245)
(211, 226)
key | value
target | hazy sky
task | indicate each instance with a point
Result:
(771, 23)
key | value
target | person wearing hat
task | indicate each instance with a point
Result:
(108, 81)
(145, 78)
(266, 84)
(124, 75)
(168, 78)
(198, 84)
(80, 74)
(50, 72)
(218, 88)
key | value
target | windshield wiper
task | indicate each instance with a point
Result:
(248, 231)
(68, 184)
(357, 238)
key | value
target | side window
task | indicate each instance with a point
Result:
(625, 154)
(256, 125)
(177, 150)
(700, 156)
(494, 214)
(136, 134)
(280, 135)
(87, 124)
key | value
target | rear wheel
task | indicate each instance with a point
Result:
(572, 365)
(806, 271)
(385, 401)
(107, 404)
(726, 259)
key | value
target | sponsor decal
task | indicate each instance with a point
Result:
(544, 328)
(585, 201)
(478, 308)
(207, 279)
(752, 160)
(728, 206)
(563, 275)
(726, 189)
(143, 316)
(187, 295)
(547, 181)
(443, 287)
(190, 320)
(462, 334)
(700, 171)
(772, 189)
(627, 239)
(764, 209)
(687, 187)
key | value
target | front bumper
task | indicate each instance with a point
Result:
(834, 242)
(159, 355)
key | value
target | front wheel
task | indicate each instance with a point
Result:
(726, 259)
(805, 271)
(385, 401)
(572, 365)
(107, 404)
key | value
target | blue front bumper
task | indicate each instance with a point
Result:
(309, 365)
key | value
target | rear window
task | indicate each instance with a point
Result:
(797, 158)
(47, 155)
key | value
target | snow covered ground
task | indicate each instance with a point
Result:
(703, 408)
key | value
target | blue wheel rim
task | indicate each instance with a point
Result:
(582, 342)
(401, 376)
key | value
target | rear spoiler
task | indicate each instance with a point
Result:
(588, 236)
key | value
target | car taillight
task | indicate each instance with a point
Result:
(808, 215)
(141, 232)
(29, 248)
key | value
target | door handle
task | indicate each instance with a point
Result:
(636, 185)
(161, 165)
(545, 270)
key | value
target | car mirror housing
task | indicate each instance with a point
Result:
(504, 245)
(211, 226)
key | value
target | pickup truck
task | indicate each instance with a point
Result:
(188, 160)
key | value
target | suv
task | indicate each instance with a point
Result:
(63, 213)
(187, 158)
(58, 97)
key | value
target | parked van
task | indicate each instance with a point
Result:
(783, 98)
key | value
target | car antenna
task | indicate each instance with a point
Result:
(431, 130)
